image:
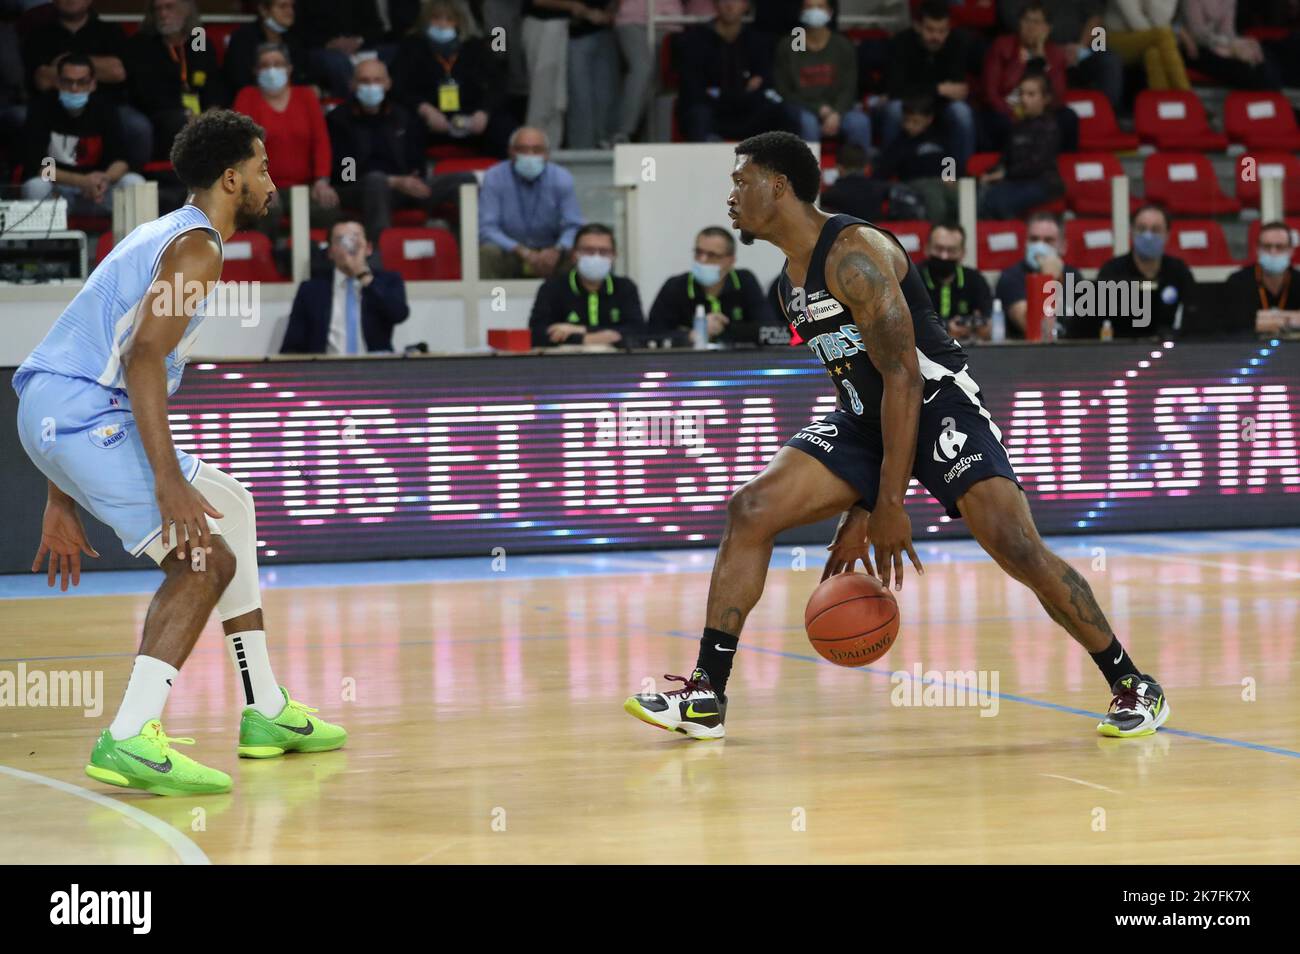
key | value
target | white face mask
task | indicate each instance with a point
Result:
(594, 268)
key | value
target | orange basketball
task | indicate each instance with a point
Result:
(851, 619)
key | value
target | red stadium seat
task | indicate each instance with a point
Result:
(1090, 243)
(669, 78)
(410, 218)
(981, 162)
(1199, 242)
(248, 259)
(1175, 120)
(90, 224)
(1264, 165)
(1087, 178)
(451, 150)
(1098, 128)
(913, 234)
(219, 37)
(103, 247)
(1259, 119)
(1185, 184)
(469, 164)
(1001, 244)
(421, 254)
(1252, 239)
(980, 14)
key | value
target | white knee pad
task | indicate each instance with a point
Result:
(238, 526)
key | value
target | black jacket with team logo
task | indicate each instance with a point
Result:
(90, 141)
(827, 326)
(741, 299)
(614, 306)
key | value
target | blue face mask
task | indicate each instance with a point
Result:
(1148, 245)
(370, 94)
(530, 167)
(705, 273)
(274, 26)
(594, 268)
(815, 19)
(273, 78)
(73, 101)
(442, 34)
(1274, 263)
(1035, 252)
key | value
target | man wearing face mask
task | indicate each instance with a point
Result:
(1266, 296)
(528, 211)
(1045, 255)
(82, 134)
(1169, 279)
(587, 304)
(733, 300)
(274, 24)
(961, 295)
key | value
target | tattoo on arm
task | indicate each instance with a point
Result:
(879, 307)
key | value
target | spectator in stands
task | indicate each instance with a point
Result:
(546, 53)
(1169, 278)
(726, 71)
(378, 155)
(528, 212)
(585, 304)
(1009, 60)
(733, 301)
(445, 76)
(820, 79)
(80, 130)
(929, 59)
(853, 191)
(1141, 31)
(170, 80)
(1077, 27)
(1266, 295)
(274, 24)
(297, 142)
(639, 63)
(1284, 49)
(351, 310)
(593, 77)
(1027, 175)
(961, 296)
(334, 31)
(1212, 45)
(13, 98)
(77, 28)
(1044, 255)
(919, 160)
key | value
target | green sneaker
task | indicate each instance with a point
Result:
(293, 730)
(148, 761)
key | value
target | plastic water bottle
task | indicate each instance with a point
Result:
(701, 329)
(998, 321)
(1107, 331)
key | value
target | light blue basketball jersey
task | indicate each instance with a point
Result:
(95, 330)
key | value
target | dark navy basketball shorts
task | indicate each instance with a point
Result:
(957, 445)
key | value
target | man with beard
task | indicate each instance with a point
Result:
(92, 416)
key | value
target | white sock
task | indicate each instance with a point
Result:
(146, 694)
(248, 653)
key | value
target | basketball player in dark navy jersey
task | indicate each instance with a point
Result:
(907, 407)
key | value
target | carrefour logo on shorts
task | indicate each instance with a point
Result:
(108, 435)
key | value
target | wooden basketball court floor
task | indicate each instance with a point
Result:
(486, 724)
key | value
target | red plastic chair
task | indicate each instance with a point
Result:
(1000, 244)
(1098, 128)
(421, 254)
(1087, 178)
(1269, 165)
(913, 234)
(1199, 242)
(1175, 120)
(1185, 184)
(1258, 119)
(1090, 242)
(981, 162)
(248, 259)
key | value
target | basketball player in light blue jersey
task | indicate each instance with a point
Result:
(92, 415)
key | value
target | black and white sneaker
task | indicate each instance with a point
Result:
(1139, 708)
(694, 710)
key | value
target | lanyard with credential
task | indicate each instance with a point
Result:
(180, 58)
(1263, 292)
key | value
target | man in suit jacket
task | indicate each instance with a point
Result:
(351, 310)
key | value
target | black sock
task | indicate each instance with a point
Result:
(1114, 662)
(717, 650)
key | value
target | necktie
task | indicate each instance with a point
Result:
(352, 317)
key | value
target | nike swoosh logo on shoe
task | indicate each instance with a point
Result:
(307, 729)
(163, 767)
(693, 713)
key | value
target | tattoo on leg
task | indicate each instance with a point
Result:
(1081, 598)
(1059, 618)
(732, 620)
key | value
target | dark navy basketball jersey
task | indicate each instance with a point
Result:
(826, 325)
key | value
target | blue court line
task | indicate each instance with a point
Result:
(1010, 697)
(623, 562)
